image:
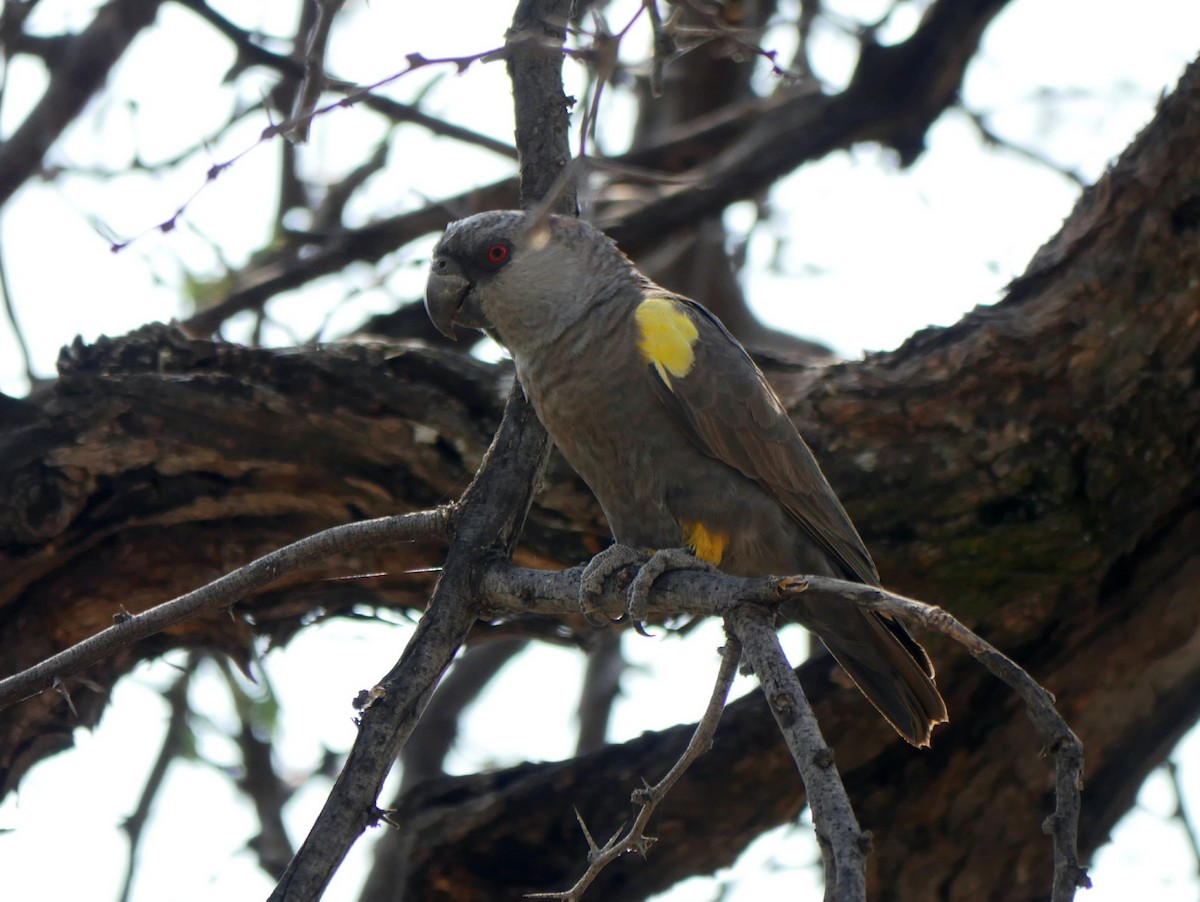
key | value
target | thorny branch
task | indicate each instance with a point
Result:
(634, 839)
(725, 152)
(1064, 837)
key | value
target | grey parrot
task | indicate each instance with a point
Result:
(673, 427)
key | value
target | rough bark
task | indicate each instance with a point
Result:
(1036, 469)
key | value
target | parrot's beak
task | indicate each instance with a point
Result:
(445, 293)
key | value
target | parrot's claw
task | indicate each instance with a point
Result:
(597, 571)
(660, 562)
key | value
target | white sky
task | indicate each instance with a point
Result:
(868, 256)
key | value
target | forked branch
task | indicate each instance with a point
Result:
(634, 838)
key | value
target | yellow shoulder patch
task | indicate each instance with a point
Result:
(666, 336)
(706, 544)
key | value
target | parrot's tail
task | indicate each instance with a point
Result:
(886, 663)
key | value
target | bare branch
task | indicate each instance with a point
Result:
(540, 104)
(601, 686)
(415, 61)
(258, 778)
(1058, 738)
(843, 844)
(254, 52)
(727, 153)
(990, 137)
(491, 512)
(423, 758)
(223, 593)
(634, 839)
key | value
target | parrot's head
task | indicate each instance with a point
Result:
(523, 278)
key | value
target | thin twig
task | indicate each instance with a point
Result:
(604, 58)
(994, 139)
(253, 51)
(664, 45)
(223, 593)
(634, 839)
(414, 61)
(844, 846)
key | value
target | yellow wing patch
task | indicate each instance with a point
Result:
(666, 335)
(706, 544)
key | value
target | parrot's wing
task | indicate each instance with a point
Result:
(736, 417)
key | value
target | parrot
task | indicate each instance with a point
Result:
(674, 428)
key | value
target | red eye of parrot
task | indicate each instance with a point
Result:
(497, 254)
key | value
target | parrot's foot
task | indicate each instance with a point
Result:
(599, 569)
(660, 562)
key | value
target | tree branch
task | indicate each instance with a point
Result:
(250, 51)
(222, 593)
(492, 512)
(79, 76)
(843, 844)
(1034, 465)
(634, 839)
(732, 156)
